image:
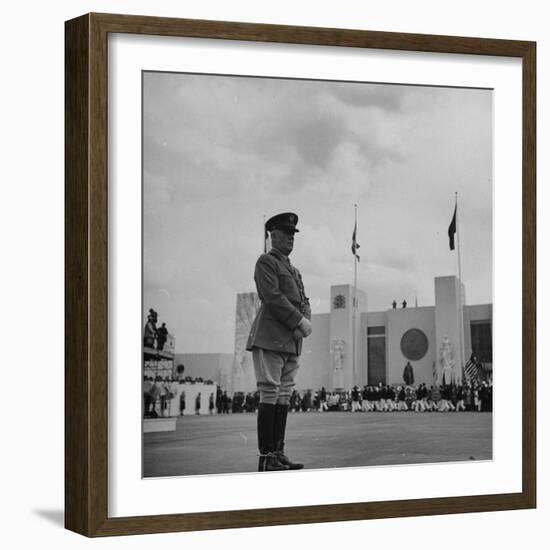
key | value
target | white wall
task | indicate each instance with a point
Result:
(449, 318)
(315, 362)
(399, 321)
(191, 392)
(31, 214)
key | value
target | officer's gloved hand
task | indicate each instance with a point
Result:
(305, 327)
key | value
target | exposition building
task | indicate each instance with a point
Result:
(384, 342)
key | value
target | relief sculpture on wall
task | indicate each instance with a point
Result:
(338, 354)
(449, 372)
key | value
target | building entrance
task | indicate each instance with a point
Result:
(376, 351)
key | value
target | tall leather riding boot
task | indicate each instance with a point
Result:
(279, 428)
(266, 420)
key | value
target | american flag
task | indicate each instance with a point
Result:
(472, 370)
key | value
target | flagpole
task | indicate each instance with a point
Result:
(461, 305)
(458, 237)
(354, 303)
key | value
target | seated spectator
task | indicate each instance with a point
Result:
(371, 397)
(410, 397)
(390, 399)
(365, 401)
(424, 396)
(343, 402)
(468, 398)
(445, 401)
(323, 400)
(418, 404)
(460, 392)
(377, 398)
(333, 402)
(401, 403)
(355, 405)
(316, 402)
(435, 397)
(383, 395)
(477, 400)
(453, 397)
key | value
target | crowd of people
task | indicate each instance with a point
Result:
(389, 398)
(381, 398)
(158, 391)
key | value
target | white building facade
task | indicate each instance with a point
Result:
(353, 346)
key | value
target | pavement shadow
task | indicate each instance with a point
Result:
(57, 517)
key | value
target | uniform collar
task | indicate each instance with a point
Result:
(278, 254)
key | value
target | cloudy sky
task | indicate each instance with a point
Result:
(222, 152)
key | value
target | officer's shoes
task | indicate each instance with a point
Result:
(283, 459)
(269, 463)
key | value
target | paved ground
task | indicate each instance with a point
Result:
(227, 443)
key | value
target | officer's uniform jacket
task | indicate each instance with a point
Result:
(283, 304)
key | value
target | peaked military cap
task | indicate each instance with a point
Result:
(286, 221)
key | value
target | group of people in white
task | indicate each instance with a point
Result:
(388, 398)
(478, 397)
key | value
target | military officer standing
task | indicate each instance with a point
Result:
(275, 339)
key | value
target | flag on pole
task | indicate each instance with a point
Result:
(452, 231)
(354, 243)
(472, 370)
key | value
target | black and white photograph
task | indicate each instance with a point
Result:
(317, 274)
(282, 270)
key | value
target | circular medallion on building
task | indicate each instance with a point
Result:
(414, 344)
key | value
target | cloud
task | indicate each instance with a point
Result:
(315, 137)
(220, 153)
(218, 135)
(401, 263)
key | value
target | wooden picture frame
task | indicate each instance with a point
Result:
(86, 282)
